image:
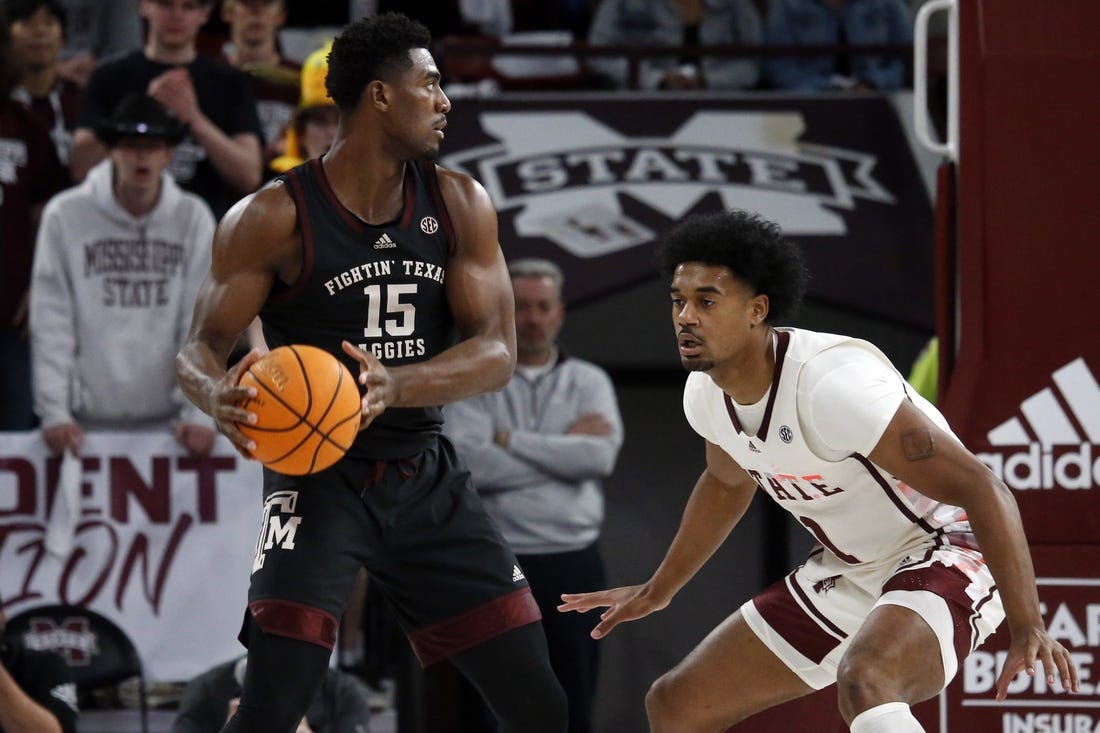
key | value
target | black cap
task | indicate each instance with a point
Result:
(20, 9)
(139, 115)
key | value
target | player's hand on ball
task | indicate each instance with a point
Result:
(223, 401)
(376, 383)
(627, 603)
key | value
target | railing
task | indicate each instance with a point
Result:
(458, 48)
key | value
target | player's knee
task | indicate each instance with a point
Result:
(661, 703)
(861, 683)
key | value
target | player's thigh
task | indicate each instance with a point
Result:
(730, 675)
(895, 656)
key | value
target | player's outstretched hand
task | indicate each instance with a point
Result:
(223, 404)
(627, 603)
(1038, 646)
(375, 382)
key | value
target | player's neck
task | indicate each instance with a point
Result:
(367, 184)
(747, 376)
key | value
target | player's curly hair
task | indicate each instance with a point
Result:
(376, 47)
(753, 248)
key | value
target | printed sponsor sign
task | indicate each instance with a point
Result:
(591, 181)
(162, 543)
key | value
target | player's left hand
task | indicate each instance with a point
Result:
(1037, 645)
(196, 439)
(378, 387)
(627, 603)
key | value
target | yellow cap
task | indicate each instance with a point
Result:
(314, 71)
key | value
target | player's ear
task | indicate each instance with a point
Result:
(758, 308)
(377, 94)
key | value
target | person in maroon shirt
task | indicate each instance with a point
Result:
(30, 174)
(37, 35)
(254, 49)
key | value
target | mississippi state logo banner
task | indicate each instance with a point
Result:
(590, 181)
(157, 542)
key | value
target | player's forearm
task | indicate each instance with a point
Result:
(21, 714)
(473, 366)
(999, 530)
(198, 369)
(711, 513)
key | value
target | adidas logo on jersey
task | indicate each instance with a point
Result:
(1049, 446)
(384, 242)
(517, 574)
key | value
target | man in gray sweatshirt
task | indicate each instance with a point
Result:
(118, 262)
(538, 450)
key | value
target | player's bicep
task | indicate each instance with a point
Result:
(478, 288)
(239, 281)
(918, 452)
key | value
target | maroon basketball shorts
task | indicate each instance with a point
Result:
(808, 619)
(416, 524)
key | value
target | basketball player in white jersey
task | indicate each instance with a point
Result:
(921, 551)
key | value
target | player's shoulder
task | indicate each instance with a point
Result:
(459, 189)
(266, 217)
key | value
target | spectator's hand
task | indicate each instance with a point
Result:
(77, 69)
(591, 423)
(222, 404)
(198, 440)
(303, 727)
(376, 384)
(681, 79)
(66, 436)
(174, 90)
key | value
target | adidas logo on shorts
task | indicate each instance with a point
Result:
(517, 574)
(384, 242)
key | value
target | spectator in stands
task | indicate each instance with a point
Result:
(538, 451)
(29, 174)
(96, 30)
(837, 22)
(315, 123)
(37, 692)
(678, 23)
(36, 37)
(118, 264)
(254, 49)
(211, 699)
(221, 160)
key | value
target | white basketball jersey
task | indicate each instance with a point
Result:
(855, 509)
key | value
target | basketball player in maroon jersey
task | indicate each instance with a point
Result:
(377, 256)
(921, 550)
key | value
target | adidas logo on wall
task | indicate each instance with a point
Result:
(384, 242)
(1051, 444)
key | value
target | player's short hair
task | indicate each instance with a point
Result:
(374, 48)
(536, 267)
(753, 248)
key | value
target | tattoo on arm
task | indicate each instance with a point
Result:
(918, 444)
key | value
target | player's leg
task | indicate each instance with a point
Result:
(281, 679)
(513, 674)
(728, 677)
(307, 558)
(931, 614)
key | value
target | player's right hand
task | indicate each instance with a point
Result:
(627, 603)
(224, 404)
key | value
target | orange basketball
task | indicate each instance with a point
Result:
(307, 409)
